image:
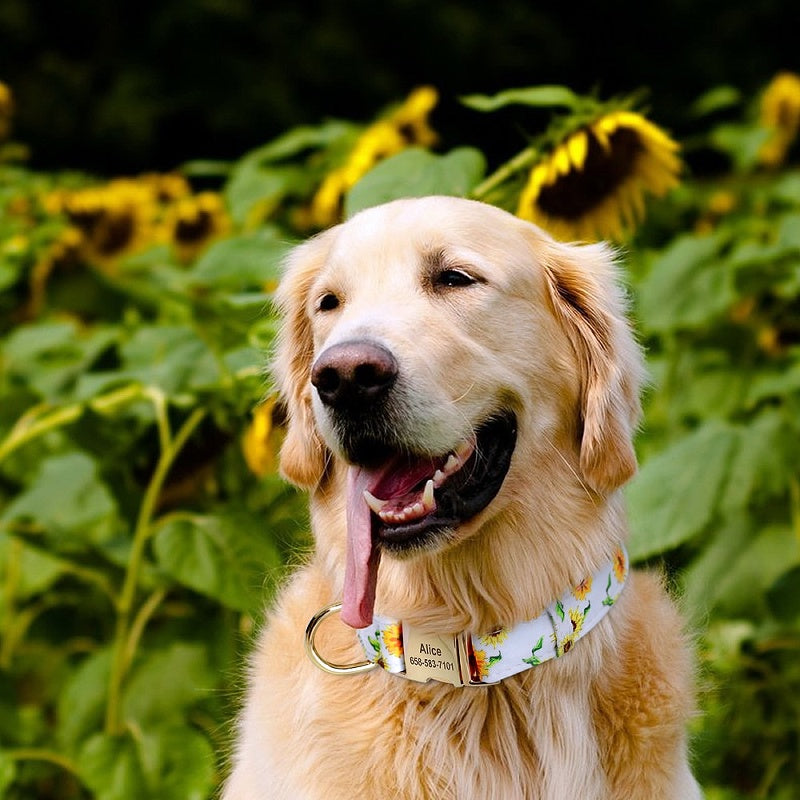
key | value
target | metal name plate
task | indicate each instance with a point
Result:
(430, 656)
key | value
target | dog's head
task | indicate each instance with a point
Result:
(435, 346)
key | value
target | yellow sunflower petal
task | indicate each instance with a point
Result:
(780, 103)
(577, 146)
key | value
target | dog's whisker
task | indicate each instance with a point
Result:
(572, 469)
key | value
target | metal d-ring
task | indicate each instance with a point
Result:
(322, 663)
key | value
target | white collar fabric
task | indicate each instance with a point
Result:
(469, 659)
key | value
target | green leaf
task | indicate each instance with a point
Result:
(716, 99)
(69, 502)
(295, 141)
(786, 189)
(38, 569)
(223, 556)
(763, 462)
(754, 568)
(705, 574)
(775, 383)
(262, 178)
(538, 96)
(167, 762)
(172, 357)
(741, 142)
(166, 683)
(112, 767)
(253, 185)
(687, 286)
(675, 494)
(49, 357)
(711, 390)
(417, 173)
(82, 699)
(249, 261)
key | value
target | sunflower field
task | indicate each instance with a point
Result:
(144, 527)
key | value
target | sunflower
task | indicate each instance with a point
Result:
(260, 442)
(576, 618)
(411, 118)
(582, 589)
(593, 182)
(495, 638)
(166, 187)
(393, 639)
(63, 254)
(407, 126)
(780, 113)
(480, 664)
(620, 565)
(195, 222)
(114, 220)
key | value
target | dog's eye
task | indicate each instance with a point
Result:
(328, 302)
(453, 278)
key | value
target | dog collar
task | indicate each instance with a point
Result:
(469, 659)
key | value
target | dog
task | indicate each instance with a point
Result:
(461, 395)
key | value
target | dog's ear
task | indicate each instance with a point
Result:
(590, 303)
(303, 453)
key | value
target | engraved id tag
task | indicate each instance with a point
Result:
(428, 655)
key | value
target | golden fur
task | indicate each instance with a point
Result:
(546, 336)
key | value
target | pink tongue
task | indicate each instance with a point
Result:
(361, 569)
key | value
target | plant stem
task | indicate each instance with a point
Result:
(25, 430)
(10, 584)
(159, 401)
(146, 611)
(40, 754)
(121, 657)
(504, 172)
(28, 427)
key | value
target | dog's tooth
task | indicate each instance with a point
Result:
(451, 465)
(373, 502)
(438, 478)
(428, 500)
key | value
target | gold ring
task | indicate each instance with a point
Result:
(323, 664)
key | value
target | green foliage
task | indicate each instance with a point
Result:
(536, 96)
(136, 545)
(416, 173)
(143, 526)
(718, 496)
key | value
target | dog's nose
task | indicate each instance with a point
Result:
(354, 374)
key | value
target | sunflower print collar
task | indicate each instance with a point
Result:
(470, 659)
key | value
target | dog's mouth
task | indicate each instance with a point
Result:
(408, 502)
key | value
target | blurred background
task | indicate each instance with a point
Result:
(127, 86)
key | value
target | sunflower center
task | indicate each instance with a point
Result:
(115, 235)
(605, 168)
(194, 229)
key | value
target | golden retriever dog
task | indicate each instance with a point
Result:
(462, 392)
